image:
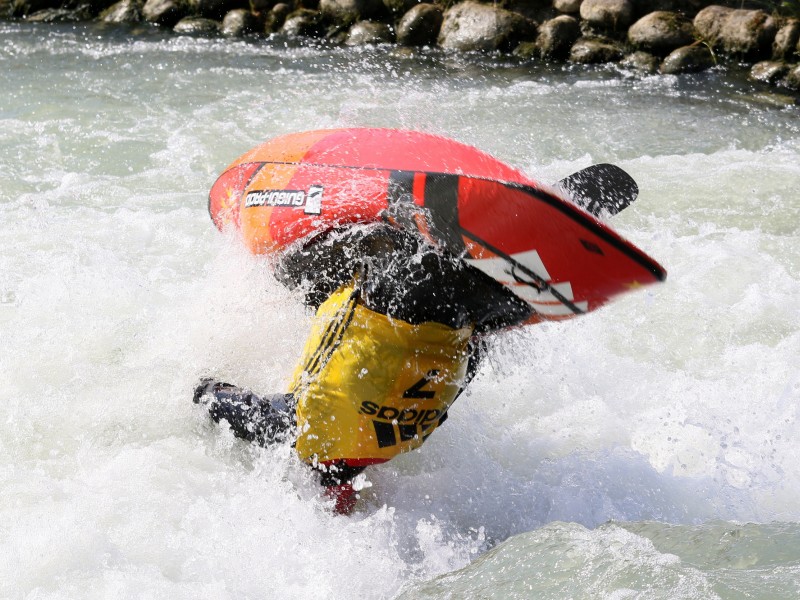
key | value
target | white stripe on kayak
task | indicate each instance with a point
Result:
(500, 269)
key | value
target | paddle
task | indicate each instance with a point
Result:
(600, 187)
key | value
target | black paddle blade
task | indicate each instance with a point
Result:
(601, 187)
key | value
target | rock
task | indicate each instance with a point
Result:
(749, 33)
(276, 17)
(709, 21)
(22, 8)
(197, 26)
(369, 32)
(768, 71)
(792, 79)
(124, 11)
(347, 12)
(738, 32)
(786, 41)
(60, 15)
(215, 9)
(526, 50)
(239, 22)
(688, 59)
(571, 7)
(420, 26)
(472, 26)
(607, 15)
(661, 32)
(557, 36)
(640, 61)
(594, 50)
(303, 23)
(164, 12)
(399, 7)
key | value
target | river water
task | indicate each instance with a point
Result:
(648, 450)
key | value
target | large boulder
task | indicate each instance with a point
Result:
(749, 33)
(607, 15)
(709, 21)
(688, 59)
(276, 17)
(303, 22)
(472, 26)
(347, 12)
(571, 7)
(369, 32)
(738, 32)
(661, 32)
(239, 22)
(420, 26)
(557, 36)
(589, 50)
(196, 26)
(165, 12)
(786, 41)
(124, 11)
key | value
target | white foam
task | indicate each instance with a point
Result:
(116, 294)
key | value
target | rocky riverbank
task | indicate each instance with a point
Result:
(650, 36)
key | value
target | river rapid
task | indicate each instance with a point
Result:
(647, 450)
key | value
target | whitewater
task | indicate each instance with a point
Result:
(647, 450)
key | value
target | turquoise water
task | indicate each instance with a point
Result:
(644, 451)
(632, 560)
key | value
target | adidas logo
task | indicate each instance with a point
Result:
(395, 425)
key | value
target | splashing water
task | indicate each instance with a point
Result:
(672, 413)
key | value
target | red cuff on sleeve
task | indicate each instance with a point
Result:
(344, 498)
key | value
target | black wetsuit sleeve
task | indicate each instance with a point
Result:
(262, 420)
